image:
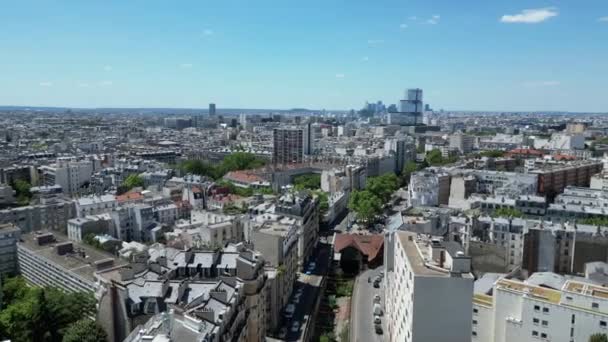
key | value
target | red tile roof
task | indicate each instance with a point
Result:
(243, 177)
(369, 245)
(129, 196)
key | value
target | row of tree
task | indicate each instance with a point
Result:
(368, 203)
(46, 314)
(232, 162)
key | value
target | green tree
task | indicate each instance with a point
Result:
(133, 181)
(599, 337)
(365, 204)
(507, 212)
(22, 190)
(383, 186)
(85, 330)
(409, 168)
(241, 161)
(311, 182)
(492, 153)
(323, 202)
(13, 289)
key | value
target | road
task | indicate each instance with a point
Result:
(362, 324)
(309, 285)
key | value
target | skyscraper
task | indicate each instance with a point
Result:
(288, 146)
(212, 109)
(410, 109)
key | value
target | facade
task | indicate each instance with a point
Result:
(9, 236)
(462, 142)
(553, 178)
(278, 242)
(288, 146)
(50, 259)
(93, 205)
(53, 214)
(410, 109)
(79, 228)
(429, 290)
(518, 311)
(73, 176)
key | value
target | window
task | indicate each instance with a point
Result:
(545, 323)
(474, 333)
(573, 318)
(535, 321)
(543, 335)
(474, 322)
(595, 305)
(603, 324)
(475, 310)
(536, 308)
(545, 310)
(534, 333)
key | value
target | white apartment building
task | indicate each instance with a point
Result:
(428, 289)
(70, 174)
(523, 312)
(93, 205)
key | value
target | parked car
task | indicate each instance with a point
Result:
(376, 284)
(377, 299)
(378, 310)
(295, 327)
(378, 328)
(377, 320)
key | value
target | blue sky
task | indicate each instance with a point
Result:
(466, 55)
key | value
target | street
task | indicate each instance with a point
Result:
(362, 325)
(309, 285)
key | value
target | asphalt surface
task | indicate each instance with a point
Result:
(310, 291)
(361, 321)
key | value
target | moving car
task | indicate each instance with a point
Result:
(289, 310)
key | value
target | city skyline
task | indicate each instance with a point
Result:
(521, 56)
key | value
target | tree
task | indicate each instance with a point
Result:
(85, 330)
(311, 182)
(409, 168)
(599, 337)
(366, 204)
(22, 189)
(383, 186)
(507, 212)
(133, 181)
(492, 153)
(13, 289)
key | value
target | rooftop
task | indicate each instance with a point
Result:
(536, 292)
(416, 257)
(81, 260)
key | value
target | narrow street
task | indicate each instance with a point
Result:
(362, 317)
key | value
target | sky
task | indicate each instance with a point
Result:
(498, 55)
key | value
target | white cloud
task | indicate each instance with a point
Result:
(530, 16)
(107, 68)
(542, 83)
(340, 75)
(434, 19)
(413, 18)
(207, 32)
(403, 26)
(106, 83)
(186, 65)
(46, 84)
(365, 59)
(604, 19)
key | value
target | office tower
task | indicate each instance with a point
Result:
(288, 146)
(309, 139)
(211, 109)
(427, 108)
(429, 289)
(410, 109)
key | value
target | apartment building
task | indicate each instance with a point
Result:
(554, 177)
(288, 146)
(429, 289)
(72, 175)
(50, 259)
(9, 236)
(93, 205)
(523, 312)
(51, 214)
